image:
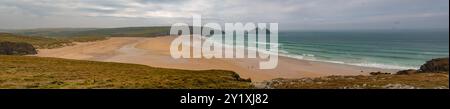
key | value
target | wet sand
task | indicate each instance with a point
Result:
(155, 52)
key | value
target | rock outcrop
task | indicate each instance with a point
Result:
(379, 73)
(407, 72)
(12, 48)
(439, 65)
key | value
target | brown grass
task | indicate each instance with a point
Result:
(416, 81)
(53, 73)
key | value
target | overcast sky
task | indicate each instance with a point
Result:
(290, 14)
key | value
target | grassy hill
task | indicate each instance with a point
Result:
(49, 32)
(96, 32)
(38, 42)
(55, 35)
(50, 73)
(46, 42)
(127, 32)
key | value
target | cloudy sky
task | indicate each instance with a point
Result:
(290, 14)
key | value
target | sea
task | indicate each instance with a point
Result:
(385, 49)
(401, 49)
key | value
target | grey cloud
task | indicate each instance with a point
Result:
(160, 1)
(293, 14)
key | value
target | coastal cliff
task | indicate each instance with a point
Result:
(439, 65)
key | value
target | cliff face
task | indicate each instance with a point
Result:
(435, 66)
(12, 48)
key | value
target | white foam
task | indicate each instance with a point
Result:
(383, 66)
(371, 65)
(311, 57)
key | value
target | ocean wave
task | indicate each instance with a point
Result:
(362, 50)
(371, 65)
(359, 53)
(383, 66)
(312, 57)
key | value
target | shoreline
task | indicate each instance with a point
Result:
(154, 52)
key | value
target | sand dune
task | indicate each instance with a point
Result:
(155, 52)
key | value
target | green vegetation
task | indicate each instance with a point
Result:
(38, 42)
(81, 38)
(97, 32)
(54, 73)
(50, 32)
(127, 32)
(54, 37)
(59, 37)
(44, 42)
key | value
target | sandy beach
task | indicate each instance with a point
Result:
(155, 52)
